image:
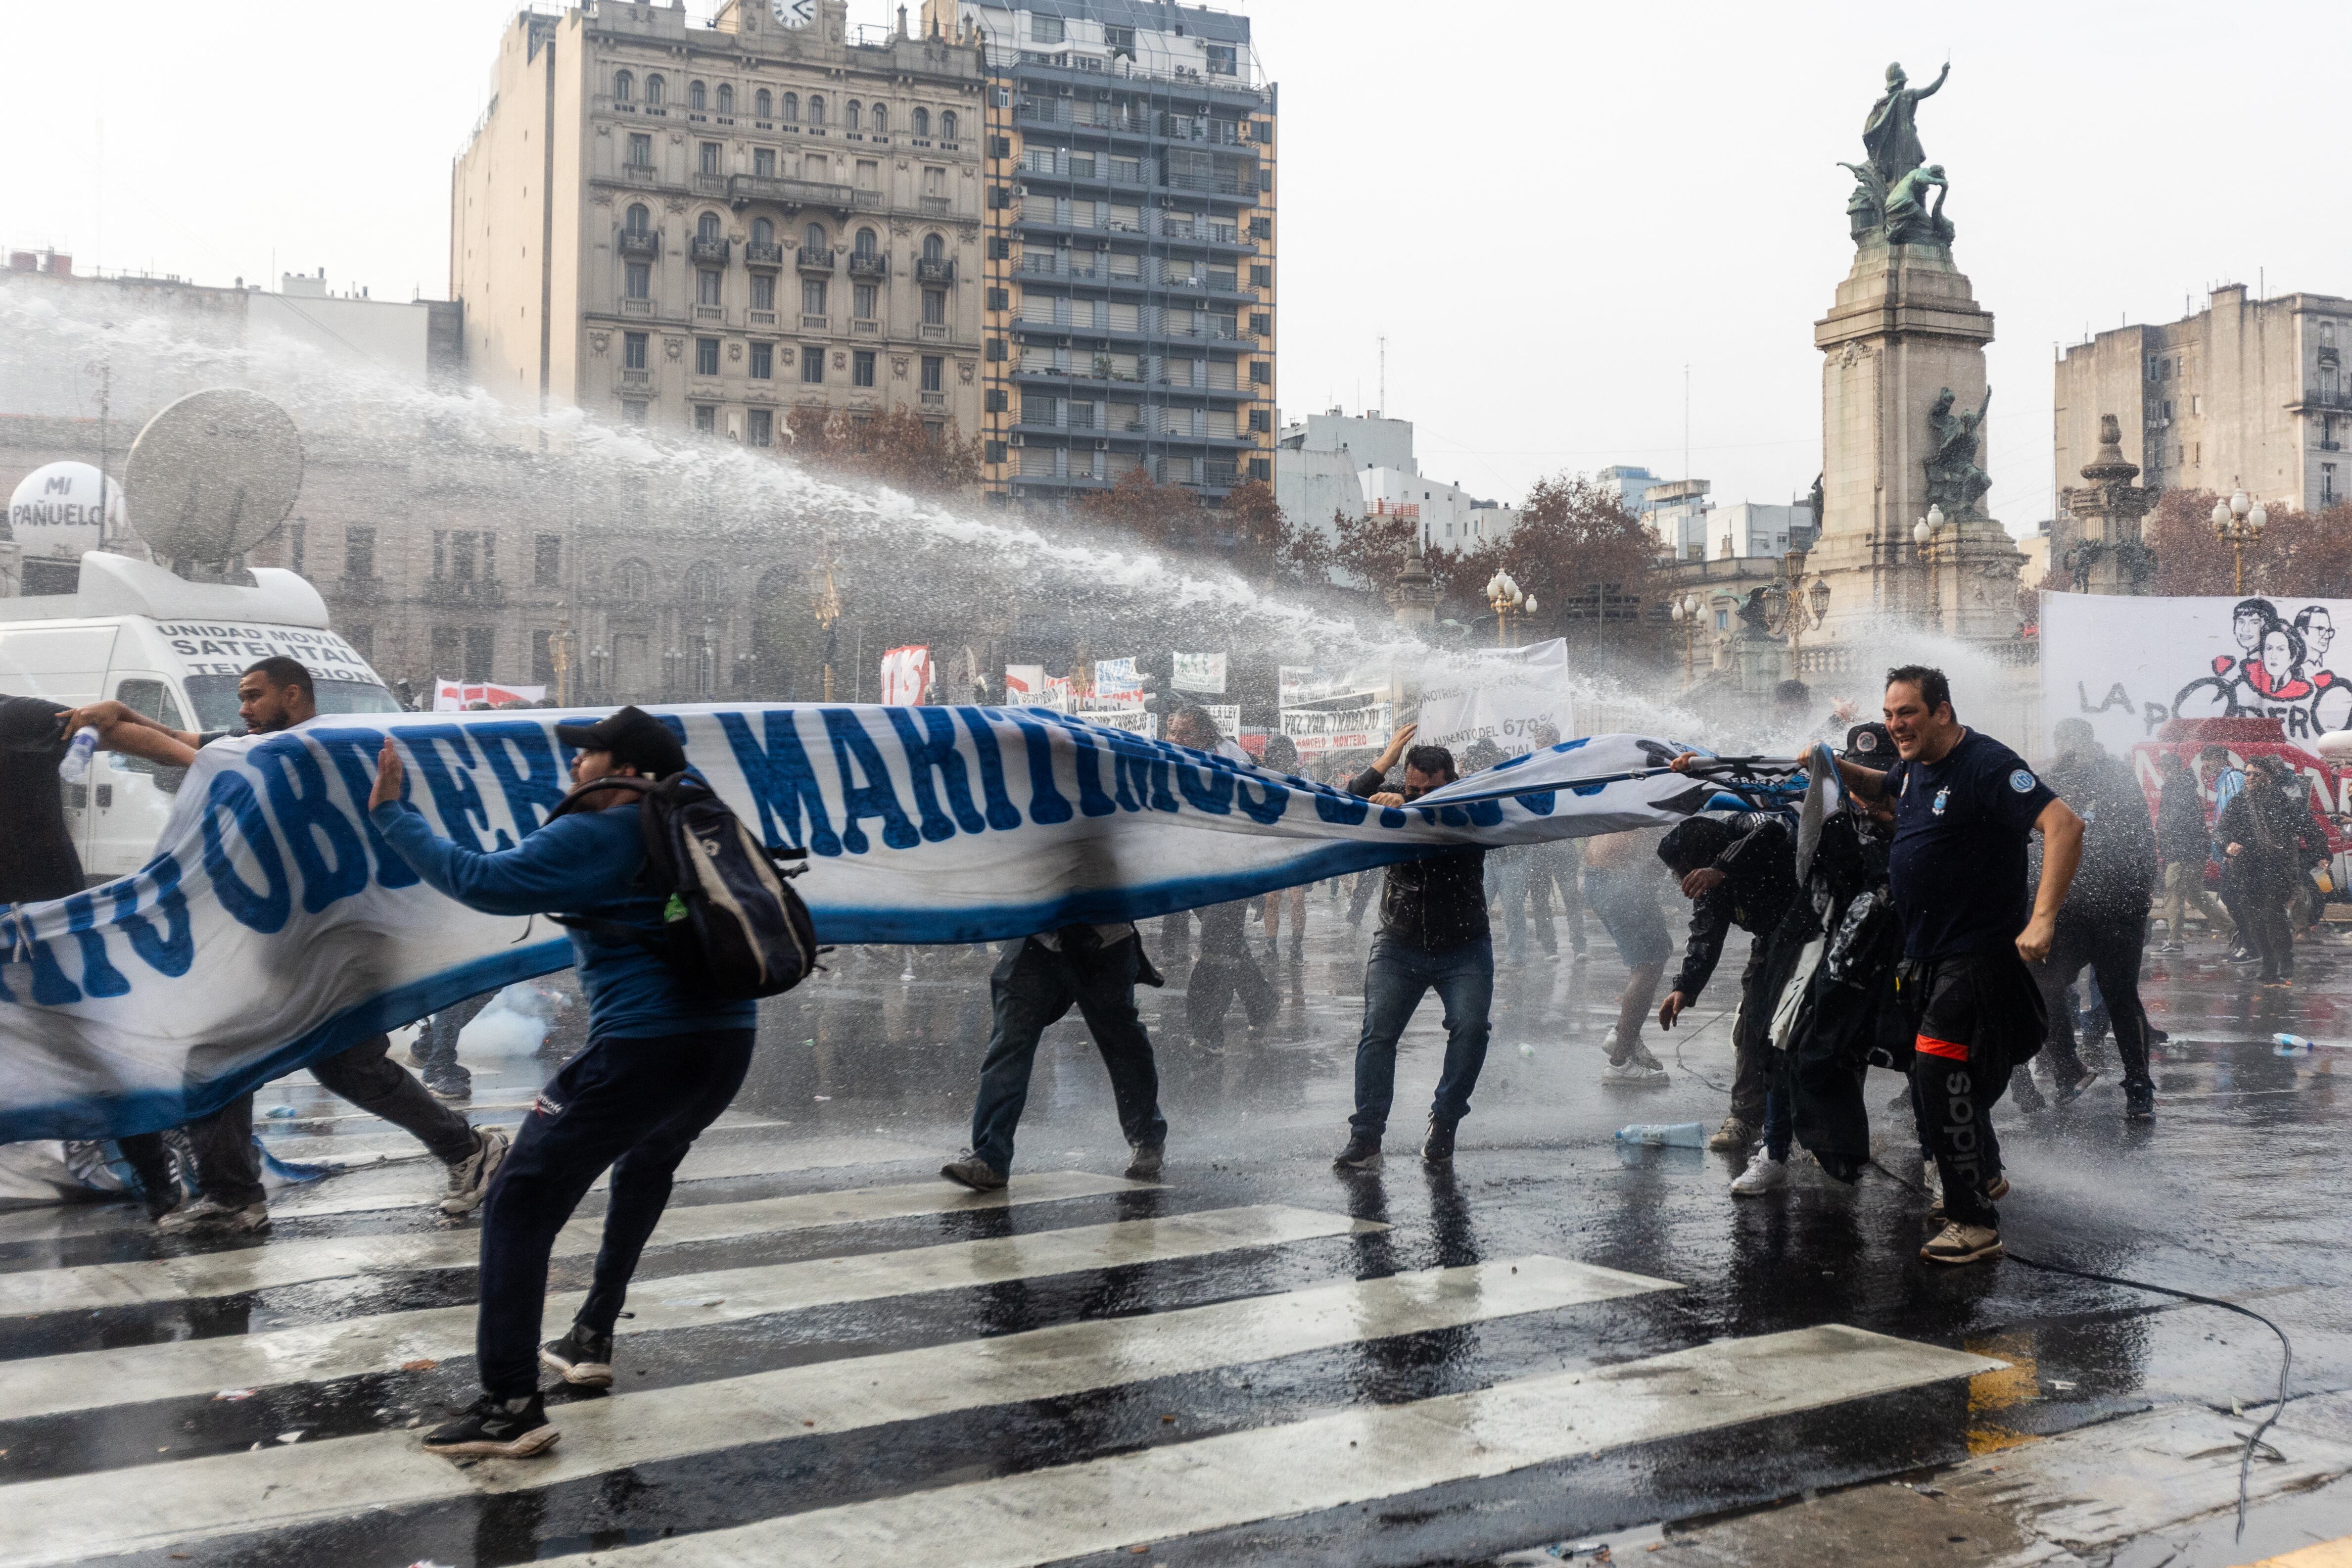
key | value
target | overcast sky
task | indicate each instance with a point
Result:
(1550, 209)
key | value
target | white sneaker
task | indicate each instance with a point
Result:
(1764, 1175)
(470, 1178)
(209, 1215)
(1637, 1069)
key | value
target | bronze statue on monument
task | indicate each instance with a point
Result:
(1890, 194)
(1954, 481)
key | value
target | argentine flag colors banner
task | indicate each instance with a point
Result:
(274, 926)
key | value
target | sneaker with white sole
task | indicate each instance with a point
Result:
(496, 1428)
(1630, 1068)
(1737, 1132)
(1958, 1243)
(1764, 1175)
(583, 1357)
(470, 1178)
(208, 1215)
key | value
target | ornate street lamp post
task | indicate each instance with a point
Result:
(1923, 535)
(1505, 596)
(1685, 616)
(2238, 522)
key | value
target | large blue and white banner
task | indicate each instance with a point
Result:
(275, 926)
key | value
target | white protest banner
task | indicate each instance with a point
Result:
(1201, 672)
(1116, 678)
(1318, 732)
(907, 676)
(1227, 716)
(274, 926)
(1059, 696)
(2128, 664)
(1024, 683)
(1301, 684)
(1127, 721)
(1506, 696)
(453, 696)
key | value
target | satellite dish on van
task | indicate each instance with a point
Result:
(213, 475)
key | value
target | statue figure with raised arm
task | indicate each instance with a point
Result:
(1891, 134)
(1955, 483)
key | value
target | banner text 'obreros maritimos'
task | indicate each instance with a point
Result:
(275, 926)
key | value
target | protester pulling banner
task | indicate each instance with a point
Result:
(1202, 673)
(2130, 664)
(1509, 696)
(275, 926)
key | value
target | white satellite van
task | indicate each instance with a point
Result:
(174, 650)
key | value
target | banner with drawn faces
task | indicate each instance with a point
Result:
(2130, 664)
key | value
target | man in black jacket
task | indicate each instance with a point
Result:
(1432, 937)
(1741, 872)
(2103, 921)
(2183, 845)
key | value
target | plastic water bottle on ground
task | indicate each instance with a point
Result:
(1664, 1135)
(2292, 1045)
(75, 766)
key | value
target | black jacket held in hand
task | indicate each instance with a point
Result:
(1759, 883)
(1433, 903)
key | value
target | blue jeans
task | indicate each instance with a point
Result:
(1034, 985)
(1394, 979)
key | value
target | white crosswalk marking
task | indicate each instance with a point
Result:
(297, 1262)
(92, 1515)
(1186, 1489)
(94, 1379)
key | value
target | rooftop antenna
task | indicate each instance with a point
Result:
(1384, 371)
(1686, 473)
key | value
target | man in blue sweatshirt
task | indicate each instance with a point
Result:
(659, 1066)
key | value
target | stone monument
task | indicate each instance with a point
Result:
(1903, 400)
(2095, 545)
(1413, 597)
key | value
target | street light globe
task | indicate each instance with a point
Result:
(1919, 532)
(1934, 517)
(2239, 503)
(2257, 518)
(2220, 514)
(1675, 612)
(1531, 604)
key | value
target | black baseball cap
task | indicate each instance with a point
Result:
(1869, 746)
(634, 737)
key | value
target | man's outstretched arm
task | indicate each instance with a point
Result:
(545, 873)
(2062, 853)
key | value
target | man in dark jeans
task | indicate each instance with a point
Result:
(1433, 937)
(2103, 921)
(1964, 806)
(2183, 843)
(436, 1048)
(275, 695)
(1741, 872)
(660, 1064)
(1092, 968)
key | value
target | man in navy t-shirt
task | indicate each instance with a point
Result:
(1964, 806)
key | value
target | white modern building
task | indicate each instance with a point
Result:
(1631, 485)
(1677, 511)
(1748, 528)
(1363, 464)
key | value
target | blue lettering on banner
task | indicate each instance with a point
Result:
(988, 751)
(1208, 788)
(875, 797)
(1346, 810)
(534, 789)
(264, 910)
(307, 815)
(781, 781)
(454, 794)
(1141, 773)
(1270, 805)
(18, 945)
(353, 752)
(936, 751)
(98, 975)
(1086, 763)
(170, 954)
(1048, 805)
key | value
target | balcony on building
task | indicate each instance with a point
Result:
(869, 264)
(482, 593)
(640, 242)
(768, 257)
(942, 271)
(2328, 397)
(742, 190)
(709, 252)
(816, 262)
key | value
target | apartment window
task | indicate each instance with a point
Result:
(816, 109)
(2151, 367)
(763, 362)
(2197, 454)
(1126, 171)
(482, 642)
(641, 149)
(763, 105)
(2328, 484)
(935, 376)
(710, 157)
(1218, 58)
(2196, 403)
(633, 351)
(1120, 38)
(1261, 420)
(935, 182)
(708, 283)
(763, 291)
(1000, 299)
(547, 560)
(812, 364)
(992, 400)
(359, 552)
(861, 368)
(624, 87)
(813, 296)
(922, 122)
(1261, 276)
(763, 162)
(1261, 228)
(813, 237)
(935, 307)
(637, 279)
(637, 220)
(881, 121)
(791, 108)
(760, 428)
(854, 116)
(1262, 323)
(706, 418)
(634, 411)
(947, 125)
(863, 298)
(706, 228)
(1044, 29)
(706, 356)
(1037, 161)
(654, 89)
(697, 96)
(1261, 470)
(1082, 165)
(542, 658)
(726, 99)
(869, 175)
(1260, 372)
(2168, 408)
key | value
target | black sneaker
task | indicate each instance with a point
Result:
(1143, 1165)
(2139, 1102)
(499, 1428)
(581, 1357)
(1438, 1147)
(2068, 1093)
(974, 1172)
(1362, 1154)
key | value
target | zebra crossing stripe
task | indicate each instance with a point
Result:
(238, 1269)
(88, 1516)
(92, 1380)
(1356, 1456)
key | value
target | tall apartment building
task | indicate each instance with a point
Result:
(708, 229)
(2245, 391)
(1130, 234)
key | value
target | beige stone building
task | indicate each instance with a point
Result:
(2245, 391)
(707, 228)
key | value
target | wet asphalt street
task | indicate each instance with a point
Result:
(838, 1357)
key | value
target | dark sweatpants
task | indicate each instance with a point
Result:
(228, 1166)
(2110, 945)
(1224, 969)
(1980, 1016)
(634, 1105)
(1032, 987)
(1751, 1037)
